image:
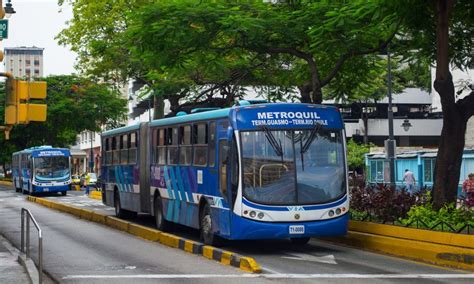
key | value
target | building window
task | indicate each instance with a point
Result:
(27, 62)
(28, 72)
(428, 169)
(376, 170)
(37, 63)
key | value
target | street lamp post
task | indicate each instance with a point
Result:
(390, 142)
(91, 162)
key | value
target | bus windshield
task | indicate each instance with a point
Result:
(293, 167)
(51, 167)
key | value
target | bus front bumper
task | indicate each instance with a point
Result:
(243, 228)
(52, 188)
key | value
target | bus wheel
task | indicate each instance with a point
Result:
(300, 241)
(161, 223)
(118, 208)
(119, 211)
(207, 236)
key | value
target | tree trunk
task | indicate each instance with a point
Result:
(448, 161)
(305, 93)
(451, 146)
(158, 107)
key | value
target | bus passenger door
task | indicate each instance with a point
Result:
(223, 221)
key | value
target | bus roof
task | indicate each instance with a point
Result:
(39, 149)
(238, 112)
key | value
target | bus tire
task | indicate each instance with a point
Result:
(300, 241)
(161, 223)
(206, 228)
(119, 211)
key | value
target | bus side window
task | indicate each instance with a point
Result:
(185, 151)
(115, 152)
(173, 151)
(132, 151)
(223, 164)
(161, 149)
(212, 144)
(200, 144)
(124, 149)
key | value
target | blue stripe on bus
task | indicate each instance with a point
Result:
(187, 188)
(179, 179)
(177, 201)
(285, 208)
(169, 211)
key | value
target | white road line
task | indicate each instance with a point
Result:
(275, 276)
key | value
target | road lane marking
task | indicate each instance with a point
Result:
(328, 259)
(275, 276)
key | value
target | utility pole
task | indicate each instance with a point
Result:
(390, 142)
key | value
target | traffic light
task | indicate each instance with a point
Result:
(19, 109)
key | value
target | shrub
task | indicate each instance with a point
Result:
(385, 203)
(448, 218)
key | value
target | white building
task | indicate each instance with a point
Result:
(24, 62)
(461, 81)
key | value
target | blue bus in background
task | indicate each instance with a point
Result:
(253, 171)
(42, 169)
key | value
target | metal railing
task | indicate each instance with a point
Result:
(25, 213)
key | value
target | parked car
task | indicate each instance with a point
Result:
(92, 179)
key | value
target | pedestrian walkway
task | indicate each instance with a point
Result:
(11, 271)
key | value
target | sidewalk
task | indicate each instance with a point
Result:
(11, 271)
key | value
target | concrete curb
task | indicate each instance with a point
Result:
(247, 264)
(439, 248)
(27, 263)
(30, 267)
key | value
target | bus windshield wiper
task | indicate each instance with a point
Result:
(276, 145)
(310, 139)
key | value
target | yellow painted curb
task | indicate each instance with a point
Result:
(250, 265)
(4, 182)
(144, 232)
(225, 257)
(117, 223)
(95, 195)
(207, 252)
(439, 248)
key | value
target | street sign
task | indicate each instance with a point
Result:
(3, 29)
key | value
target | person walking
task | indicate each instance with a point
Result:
(468, 188)
(409, 180)
(87, 181)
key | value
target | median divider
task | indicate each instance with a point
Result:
(247, 264)
(439, 248)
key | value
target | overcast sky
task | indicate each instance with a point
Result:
(36, 23)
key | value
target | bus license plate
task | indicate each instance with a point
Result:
(296, 229)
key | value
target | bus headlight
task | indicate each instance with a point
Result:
(331, 213)
(260, 215)
(253, 214)
(338, 211)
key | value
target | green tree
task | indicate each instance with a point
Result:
(356, 155)
(74, 104)
(442, 31)
(319, 39)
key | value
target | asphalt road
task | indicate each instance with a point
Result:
(78, 251)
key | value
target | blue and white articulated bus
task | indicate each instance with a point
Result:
(42, 169)
(253, 171)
